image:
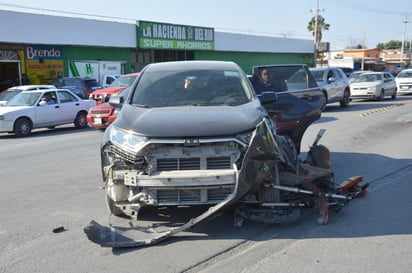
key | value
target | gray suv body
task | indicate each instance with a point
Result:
(334, 84)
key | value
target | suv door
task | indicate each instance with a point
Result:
(299, 99)
(389, 83)
(338, 84)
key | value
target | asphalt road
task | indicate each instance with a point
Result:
(52, 179)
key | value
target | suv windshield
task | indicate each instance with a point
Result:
(204, 87)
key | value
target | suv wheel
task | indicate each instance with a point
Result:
(346, 99)
(394, 95)
(381, 95)
(325, 101)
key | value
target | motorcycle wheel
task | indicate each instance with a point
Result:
(269, 215)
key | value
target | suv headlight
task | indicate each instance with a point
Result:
(126, 140)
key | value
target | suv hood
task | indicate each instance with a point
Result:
(190, 121)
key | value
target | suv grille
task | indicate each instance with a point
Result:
(191, 196)
(172, 164)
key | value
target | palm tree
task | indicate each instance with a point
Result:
(321, 25)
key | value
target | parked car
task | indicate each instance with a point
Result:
(103, 114)
(334, 83)
(7, 94)
(404, 81)
(81, 86)
(374, 85)
(355, 75)
(124, 81)
(30, 109)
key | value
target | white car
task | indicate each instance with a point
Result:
(404, 81)
(7, 94)
(373, 85)
(29, 110)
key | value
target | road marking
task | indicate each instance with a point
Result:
(385, 108)
(390, 178)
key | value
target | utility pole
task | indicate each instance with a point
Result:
(317, 10)
(405, 21)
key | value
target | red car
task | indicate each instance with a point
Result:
(117, 86)
(103, 114)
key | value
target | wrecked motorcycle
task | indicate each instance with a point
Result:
(240, 151)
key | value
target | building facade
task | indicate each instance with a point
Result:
(46, 47)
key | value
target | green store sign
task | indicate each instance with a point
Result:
(178, 37)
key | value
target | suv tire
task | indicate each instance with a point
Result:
(346, 99)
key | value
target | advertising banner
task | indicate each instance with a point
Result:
(95, 69)
(169, 36)
(44, 63)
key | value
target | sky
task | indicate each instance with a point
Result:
(352, 22)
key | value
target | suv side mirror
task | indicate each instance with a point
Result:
(331, 79)
(116, 101)
(267, 97)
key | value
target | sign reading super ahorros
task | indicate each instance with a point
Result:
(169, 36)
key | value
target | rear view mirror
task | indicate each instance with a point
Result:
(116, 101)
(267, 97)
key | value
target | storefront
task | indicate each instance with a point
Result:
(11, 62)
(127, 46)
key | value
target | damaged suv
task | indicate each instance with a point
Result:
(194, 133)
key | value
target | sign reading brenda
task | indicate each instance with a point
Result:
(43, 63)
(169, 36)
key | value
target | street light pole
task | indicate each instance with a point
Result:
(404, 34)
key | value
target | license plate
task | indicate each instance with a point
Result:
(98, 120)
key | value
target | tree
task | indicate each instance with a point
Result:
(394, 44)
(380, 46)
(321, 25)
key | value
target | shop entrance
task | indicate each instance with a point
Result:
(10, 70)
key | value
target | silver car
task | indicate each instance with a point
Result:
(334, 84)
(374, 85)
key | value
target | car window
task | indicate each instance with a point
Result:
(388, 78)
(65, 97)
(337, 74)
(24, 99)
(318, 75)
(91, 83)
(206, 87)
(330, 74)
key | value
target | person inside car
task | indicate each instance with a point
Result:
(264, 78)
(49, 99)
